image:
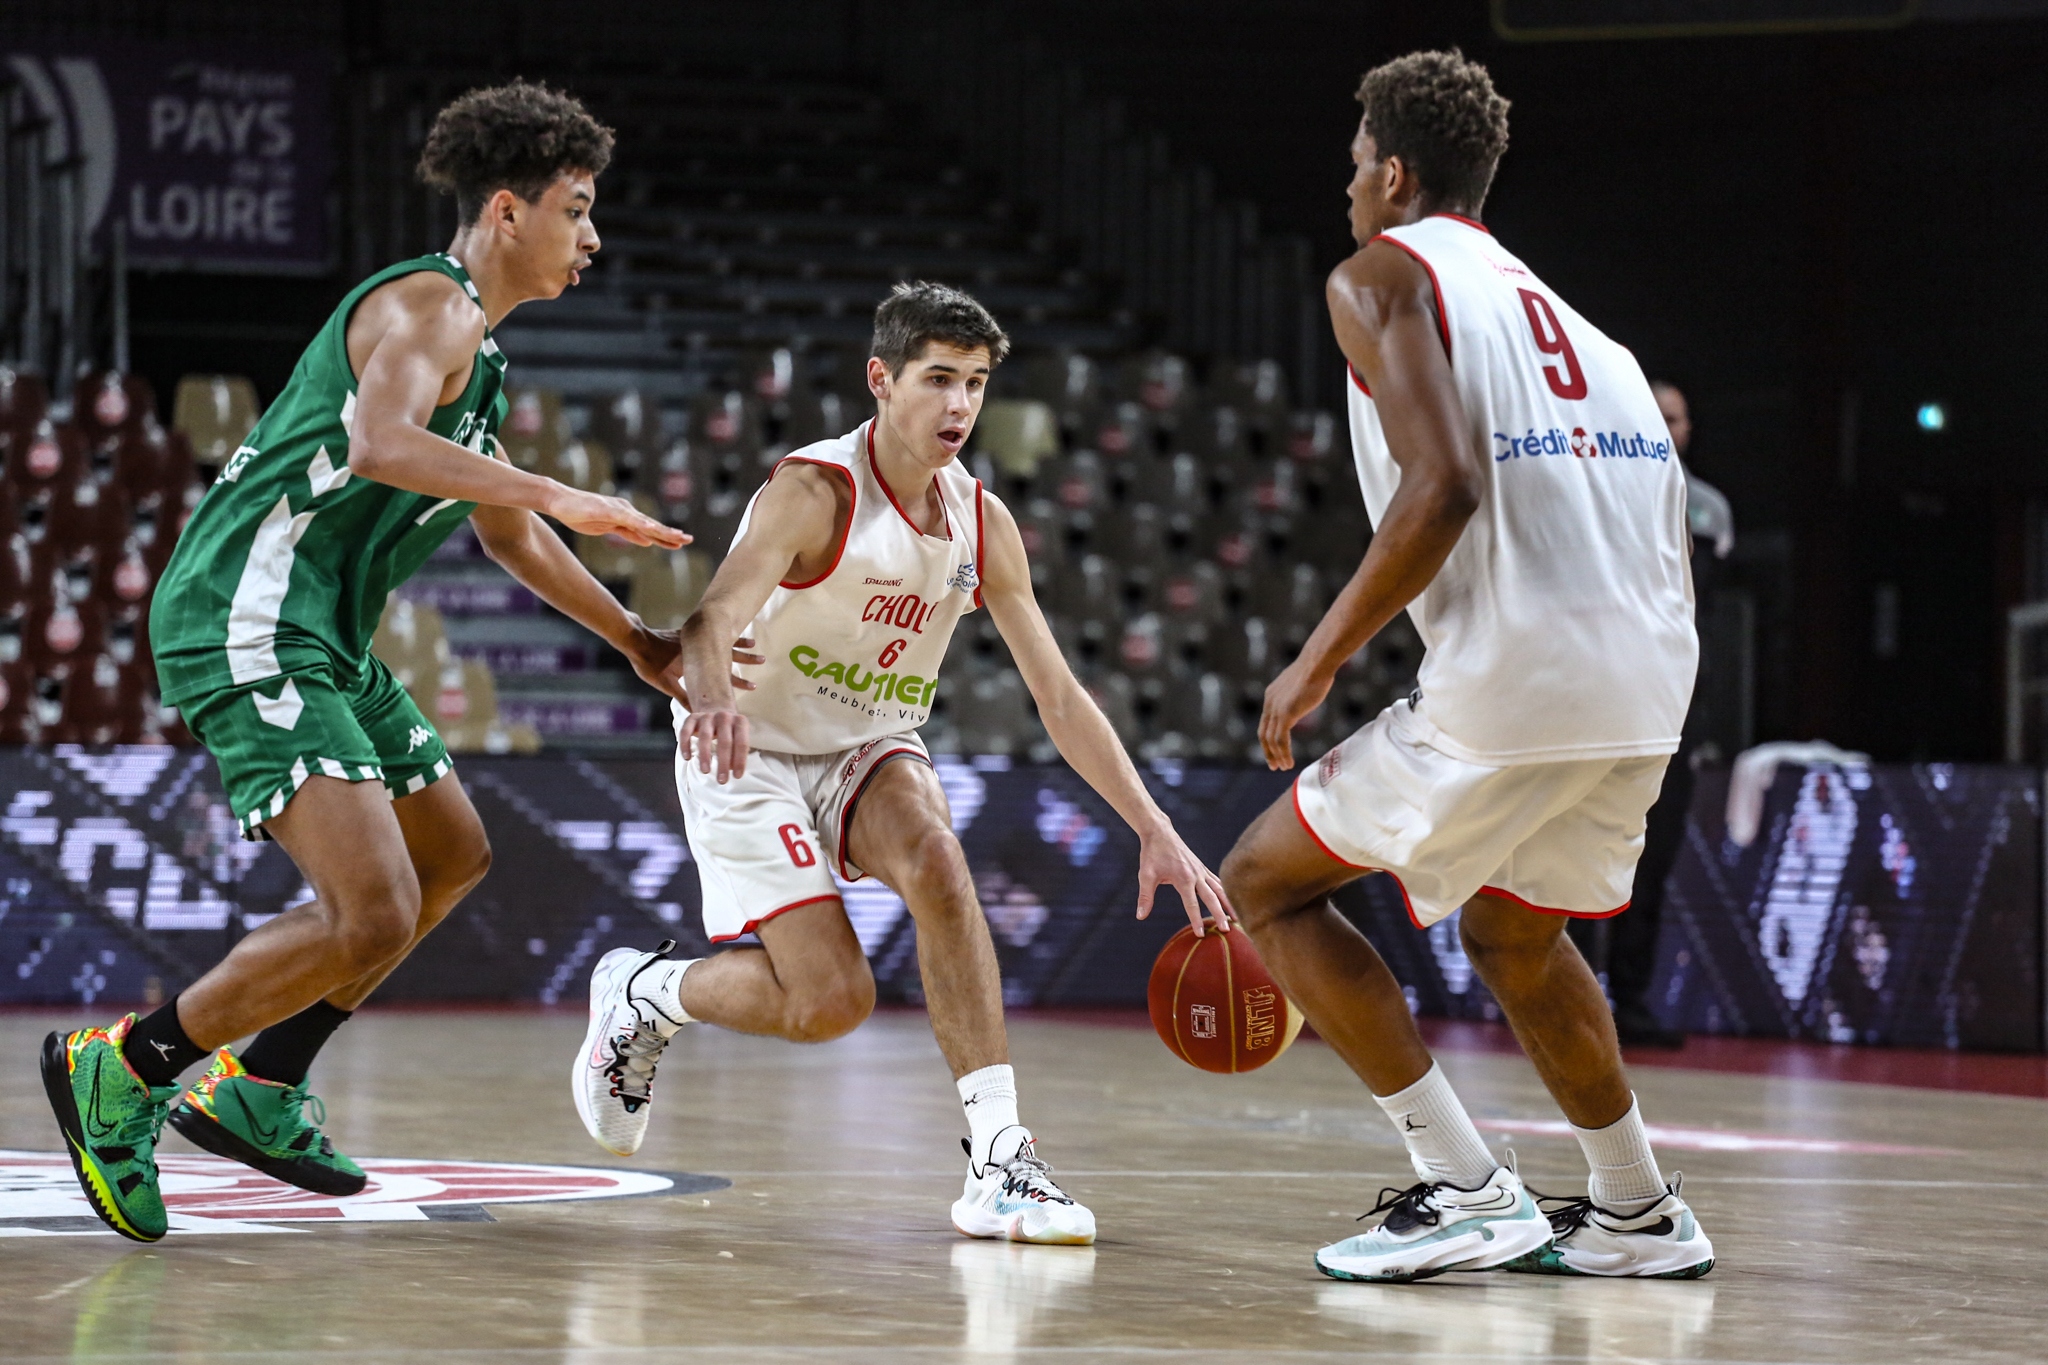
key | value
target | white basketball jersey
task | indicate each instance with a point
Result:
(854, 655)
(1561, 625)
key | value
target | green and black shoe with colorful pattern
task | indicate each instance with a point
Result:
(111, 1120)
(263, 1124)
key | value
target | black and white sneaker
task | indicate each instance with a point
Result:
(1661, 1241)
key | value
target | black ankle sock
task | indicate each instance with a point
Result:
(284, 1052)
(157, 1047)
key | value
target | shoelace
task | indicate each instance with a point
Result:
(1412, 1205)
(634, 1057)
(1573, 1211)
(1025, 1173)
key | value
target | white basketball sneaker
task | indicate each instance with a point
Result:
(613, 1079)
(1660, 1241)
(1432, 1228)
(1017, 1199)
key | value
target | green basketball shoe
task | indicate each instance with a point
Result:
(111, 1121)
(263, 1124)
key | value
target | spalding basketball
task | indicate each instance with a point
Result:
(1216, 1006)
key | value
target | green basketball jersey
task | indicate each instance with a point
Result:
(287, 560)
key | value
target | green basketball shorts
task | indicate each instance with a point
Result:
(269, 737)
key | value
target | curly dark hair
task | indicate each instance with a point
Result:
(1441, 115)
(516, 137)
(918, 313)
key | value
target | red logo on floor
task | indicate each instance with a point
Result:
(40, 1195)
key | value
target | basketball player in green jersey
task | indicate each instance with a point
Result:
(381, 443)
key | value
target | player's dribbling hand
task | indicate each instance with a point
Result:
(594, 514)
(718, 740)
(1164, 860)
(1289, 697)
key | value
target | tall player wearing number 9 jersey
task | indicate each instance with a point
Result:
(1530, 517)
(853, 565)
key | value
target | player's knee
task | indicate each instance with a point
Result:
(453, 876)
(832, 1010)
(935, 873)
(1253, 895)
(1498, 944)
(373, 919)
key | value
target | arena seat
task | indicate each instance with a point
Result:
(109, 402)
(24, 399)
(413, 644)
(584, 464)
(667, 585)
(1018, 434)
(48, 455)
(214, 413)
(536, 428)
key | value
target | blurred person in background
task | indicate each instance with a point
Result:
(1632, 935)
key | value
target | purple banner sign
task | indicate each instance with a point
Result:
(214, 157)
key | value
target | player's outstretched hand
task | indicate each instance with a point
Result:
(594, 514)
(1164, 860)
(1289, 697)
(717, 737)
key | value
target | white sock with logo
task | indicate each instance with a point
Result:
(994, 1132)
(1625, 1174)
(658, 994)
(1442, 1143)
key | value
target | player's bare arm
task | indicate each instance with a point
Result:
(795, 525)
(412, 343)
(1080, 730)
(521, 544)
(1384, 310)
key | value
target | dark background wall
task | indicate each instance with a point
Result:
(1812, 233)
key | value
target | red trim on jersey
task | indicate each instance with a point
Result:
(751, 925)
(1547, 910)
(853, 803)
(1443, 319)
(1468, 222)
(852, 488)
(1358, 379)
(890, 493)
(980, 542)
(1310, 830)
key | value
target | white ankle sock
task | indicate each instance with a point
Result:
(1625, 1173)
(659, 988)
(1442, 1143)
(990, 1098)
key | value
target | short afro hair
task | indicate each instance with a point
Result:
(516, 137)
(1441, 115)
(918, 313)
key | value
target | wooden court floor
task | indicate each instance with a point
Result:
(1854, 1222)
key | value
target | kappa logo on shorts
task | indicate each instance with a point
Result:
(420, 735)
(39, 1194)
(1332, 764)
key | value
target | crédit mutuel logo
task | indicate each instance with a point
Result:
(1585, 445)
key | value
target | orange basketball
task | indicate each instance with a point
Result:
(1216, 1006)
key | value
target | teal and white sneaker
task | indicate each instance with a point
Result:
(1432, 1228)
(1016, 1199)
(1660, 1241)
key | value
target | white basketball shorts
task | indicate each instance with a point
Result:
(771, 840)
(1560, 838)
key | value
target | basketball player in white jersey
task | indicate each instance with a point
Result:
(850, 570)
(1529, 516)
